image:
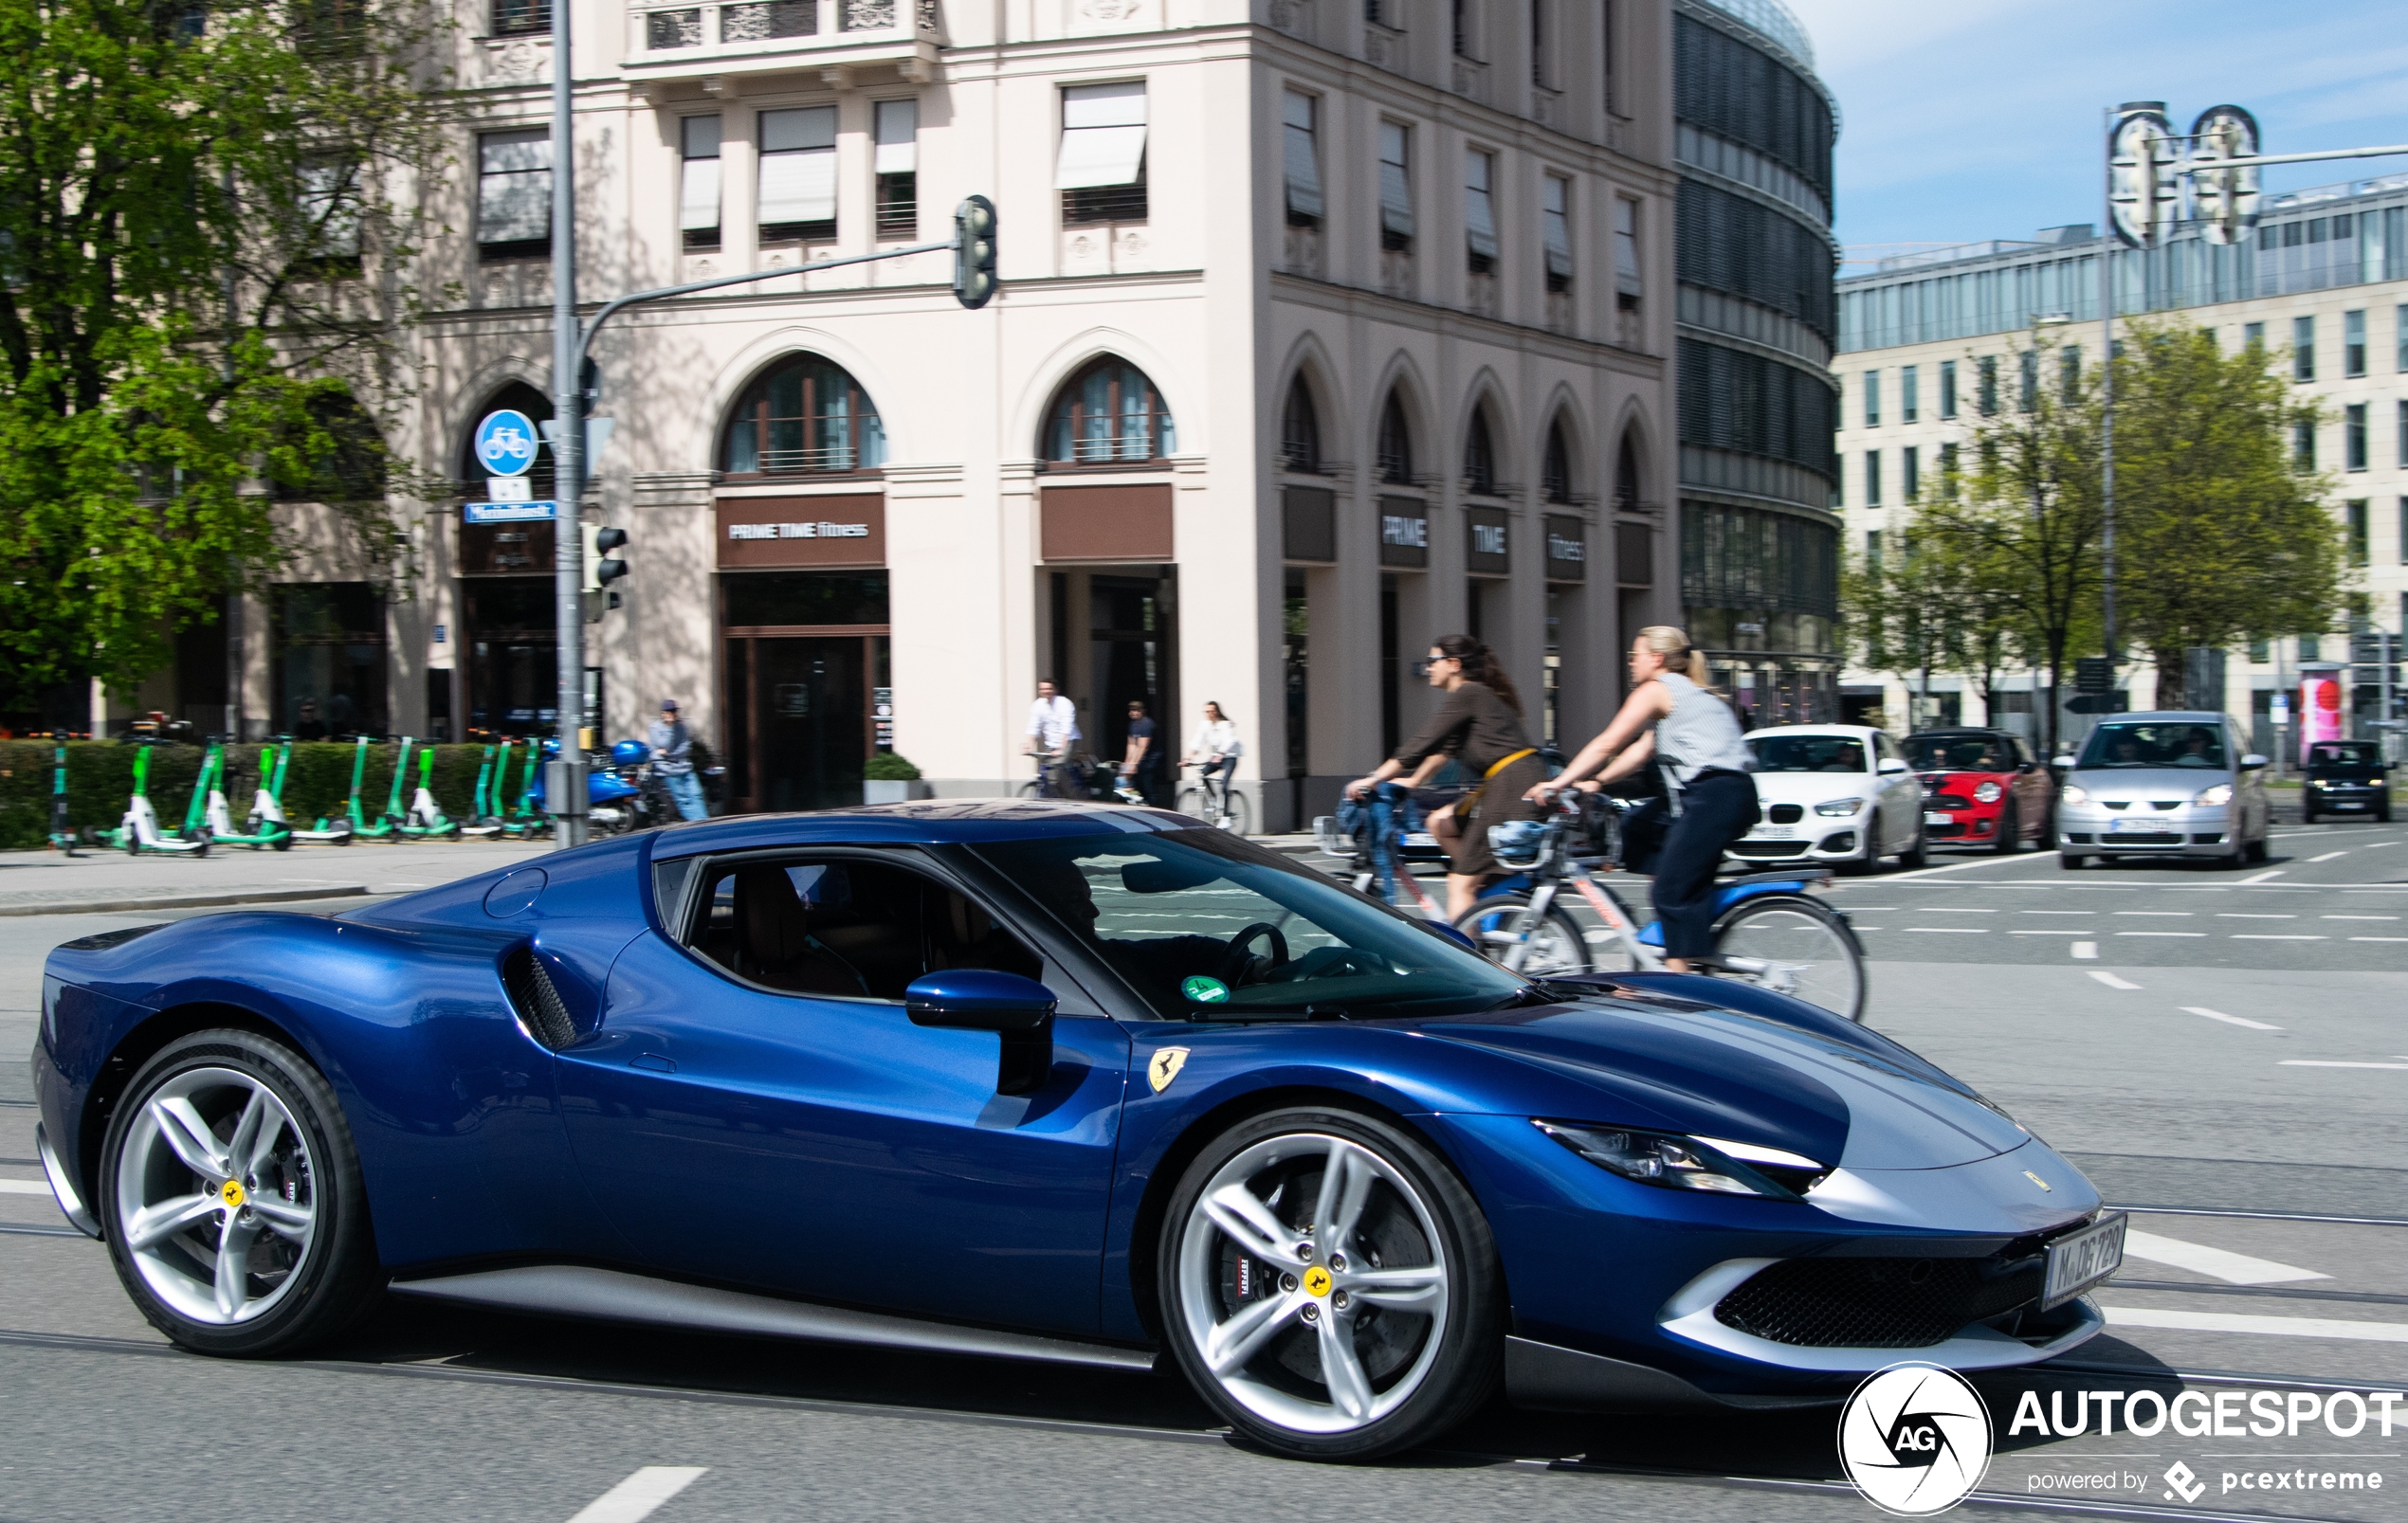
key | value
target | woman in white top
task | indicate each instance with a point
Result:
(1216, 745)
(1675, 720)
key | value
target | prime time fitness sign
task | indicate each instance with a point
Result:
(846, 532)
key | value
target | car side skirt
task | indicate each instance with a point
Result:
(610, 1295)
(1551, 1378)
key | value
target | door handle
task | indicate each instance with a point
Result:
(653, 1061)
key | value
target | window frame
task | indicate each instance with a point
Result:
(693, 238)
(1159, 418)
(1480, 211)
(808, 230)
(513, 249)
(1303, 191)
(894, 193)
(864, 419)
(1398, 224)
(1554, 229)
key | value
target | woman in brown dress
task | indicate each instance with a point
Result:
(1479, 724)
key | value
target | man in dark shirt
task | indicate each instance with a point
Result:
(309, 726)
(1140, 762)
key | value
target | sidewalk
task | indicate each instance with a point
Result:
(45, 883)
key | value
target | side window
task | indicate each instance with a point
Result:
(2023, 753)
(1885, 748)
(845, 927)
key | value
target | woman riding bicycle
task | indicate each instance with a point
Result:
(1674, 719)
(1479, 724)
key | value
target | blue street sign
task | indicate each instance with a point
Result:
(506, 443)
(509, 512)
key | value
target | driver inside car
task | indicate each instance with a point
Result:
(1155, 965)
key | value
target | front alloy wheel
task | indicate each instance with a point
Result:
(1329, 1286)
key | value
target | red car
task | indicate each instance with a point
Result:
(1981, 788)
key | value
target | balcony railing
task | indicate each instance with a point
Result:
(674, 34)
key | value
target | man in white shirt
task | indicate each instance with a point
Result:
(1053, 729)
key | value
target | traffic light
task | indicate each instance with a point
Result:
(601, 567)
(973, 251)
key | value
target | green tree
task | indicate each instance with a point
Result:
(200, 248)
(2221, 531)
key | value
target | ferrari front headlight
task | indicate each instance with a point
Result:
(1671, 1161)
(1839, 806)
(1988, 793)
(2220, 793)
(2074, 795)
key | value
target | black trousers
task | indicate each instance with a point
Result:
(1716, 810)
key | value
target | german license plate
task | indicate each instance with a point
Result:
(1938, 817)
(1774, 832)
(2134, 827)
(1418, 837)
(2080, 1262)
(2345, 806)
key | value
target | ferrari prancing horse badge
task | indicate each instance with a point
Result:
(1164, 1066)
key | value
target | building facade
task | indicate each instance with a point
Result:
(1325, 328)
(1760, 543)
(1925, 343)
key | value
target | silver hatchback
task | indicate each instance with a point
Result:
(2172, 783)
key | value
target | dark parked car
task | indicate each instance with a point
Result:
(2345, 777)
(1983, 788)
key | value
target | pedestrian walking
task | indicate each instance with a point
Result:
(1140, 763)
(673, 758)
(1053, 731)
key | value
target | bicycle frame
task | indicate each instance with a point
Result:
(1367, 852)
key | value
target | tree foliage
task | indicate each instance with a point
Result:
(200, 231)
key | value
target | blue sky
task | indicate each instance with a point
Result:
(1965, 120)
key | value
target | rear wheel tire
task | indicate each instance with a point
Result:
(1824, 965)
(1313, 1242)
(1917, 855)
(2071, 859)
(2010, 832)
(232, 1200)
(1559, 948)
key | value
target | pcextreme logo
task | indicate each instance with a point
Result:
(1914, 1438)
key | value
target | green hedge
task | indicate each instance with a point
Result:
(100, 777)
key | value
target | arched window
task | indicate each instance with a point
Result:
(1479, 456)
(1626, 478)
(1555, 476)
(1109, 413)
(1396, 442)
(805, 415)
(1300, 430)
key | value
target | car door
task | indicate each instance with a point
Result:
(1900, 795)
(768, 1116)
(2034, 790)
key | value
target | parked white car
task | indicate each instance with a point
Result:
(1838, 793)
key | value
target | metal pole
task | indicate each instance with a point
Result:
(564, 780)
(2106, 394)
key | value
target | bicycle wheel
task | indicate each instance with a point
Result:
(1556, 945)
(1196, 803)
(1028, 790)
(1241, 814)
(1796, 947)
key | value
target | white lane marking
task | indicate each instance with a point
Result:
(2235, 914)
(1941, 909)
(2246, 936)
(2231, 1020)
(24, 1186)
(2378, 938)
(2376, 846)
(2086, 950)
(2175, 915)
(1926, 872)
(2312, 1063)
(2161, 933)
(1949, 929)
(2233, 1268)
(2263, 877)
(639, 1495)
(2328, 857)
(2103, 977)
(2288, 1327)
(2048, 933)
(1870, 909)
(2056, 912)
(2358, 917)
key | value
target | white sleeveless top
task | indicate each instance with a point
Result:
(1700, 732)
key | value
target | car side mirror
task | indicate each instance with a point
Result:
(2251, 762)
(1018, 1010)
(1890, 767)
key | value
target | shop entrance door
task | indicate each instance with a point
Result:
(799, 720)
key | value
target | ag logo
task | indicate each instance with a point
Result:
(1164, 1066)
(1915, 1439)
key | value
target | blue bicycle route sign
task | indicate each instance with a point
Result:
(506, 443)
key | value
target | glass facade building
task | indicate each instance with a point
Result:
(1757, 325)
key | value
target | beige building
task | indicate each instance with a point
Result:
(1325, 329)
(2323, 284)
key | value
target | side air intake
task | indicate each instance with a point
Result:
(538, 1004)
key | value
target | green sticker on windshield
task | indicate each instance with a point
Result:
(1205, 990)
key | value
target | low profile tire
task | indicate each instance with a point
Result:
(2071, 859)
(2307, 815)
(1917, 857)
(230, 1192)
(2256, 849)
(1310, 1240)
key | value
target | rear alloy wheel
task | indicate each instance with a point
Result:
(232, 1198)
(1330, 1287)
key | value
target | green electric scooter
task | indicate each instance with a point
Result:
(138, 833)
(338, 830)
(62, 838)
(486, 819)
(525, 822)
(423, 817)
(266, 825)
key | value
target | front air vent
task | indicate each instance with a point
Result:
(539, 1004)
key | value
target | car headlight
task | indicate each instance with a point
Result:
(1839, 806)
(2074, 795)
(1673, 1162)
(1988, 793)
(2220, 793)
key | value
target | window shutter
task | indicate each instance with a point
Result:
(798, 166)
(1480, 218)
(1102, 135)
(898, 138)
(1558, 228)
(1303, 163)
(1395, 187)
(699, 199)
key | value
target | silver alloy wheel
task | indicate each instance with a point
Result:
(1329, 1271)
(215, 1196)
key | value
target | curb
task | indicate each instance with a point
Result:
(184, 901)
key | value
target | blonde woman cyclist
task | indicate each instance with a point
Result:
(1672, 718)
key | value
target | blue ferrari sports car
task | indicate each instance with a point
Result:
(1048, 1081)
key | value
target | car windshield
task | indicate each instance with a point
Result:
(1807, 754)
(2154, 745)
(1205, 926)
(1959, 754)
(2344, 754)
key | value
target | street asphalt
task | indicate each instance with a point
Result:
(2225, 1050)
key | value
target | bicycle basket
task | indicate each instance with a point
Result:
(1520, 845)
